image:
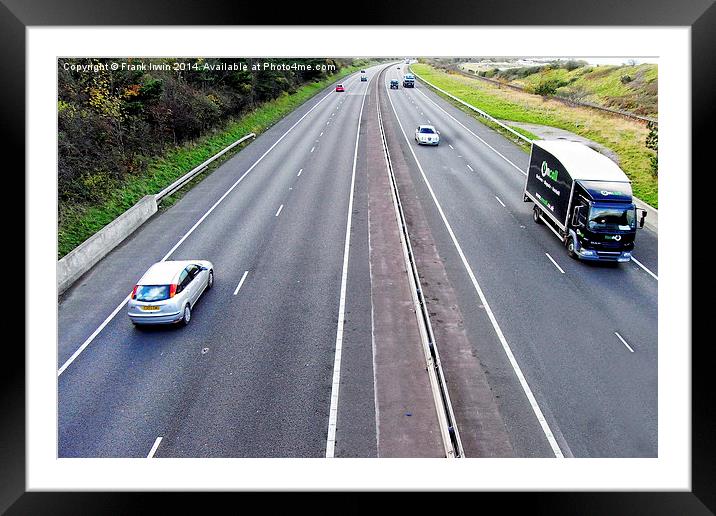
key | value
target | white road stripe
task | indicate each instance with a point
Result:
(279, 210)
(500, 201)
(320, 134)
(643, 267)
(471, 170)
(624, 342)
(453, 148)
(505, 346)
(333, 411)
(154, 447)
(241, 282)
(299, 173)
(555, 263)
(313, 148)
(476, 136)
(94, 334)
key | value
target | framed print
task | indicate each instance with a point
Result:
(297, 255)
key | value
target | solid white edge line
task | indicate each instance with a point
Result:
(555, 263)
(623, 341)
(500, 201)
(644, 267)
(469, 131)
(91, 337)
(154, 447)
(241, 282)
(279, 210)
(442, 406)
(335, 384)
(505, 346)
(119, 307)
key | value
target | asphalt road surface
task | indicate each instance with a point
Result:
(569, 348)
(306, 345)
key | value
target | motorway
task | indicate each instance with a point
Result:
(543, 326)
(307, 345)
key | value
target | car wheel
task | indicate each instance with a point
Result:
(210, 282)
(536, 215)
(186, 316)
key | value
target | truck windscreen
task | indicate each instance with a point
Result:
(612, 218)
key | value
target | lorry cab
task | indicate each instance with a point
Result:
(585, 199)
(604, 221)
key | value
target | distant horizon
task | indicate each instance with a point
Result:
(588, 59)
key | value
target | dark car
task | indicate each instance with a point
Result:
(363, 78)
(394, 84)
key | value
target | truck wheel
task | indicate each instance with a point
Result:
(570, 248)
(536, 215)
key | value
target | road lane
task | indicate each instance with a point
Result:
(94, 296)
(560, 326)
(250, 376)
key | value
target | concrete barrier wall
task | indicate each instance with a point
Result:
(88, 253)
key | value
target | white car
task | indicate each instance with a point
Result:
(427, 135)
(168, 292)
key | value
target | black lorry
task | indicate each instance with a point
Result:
(584, 198)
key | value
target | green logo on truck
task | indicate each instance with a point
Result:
(546, 171)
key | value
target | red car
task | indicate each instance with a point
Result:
(340, 88)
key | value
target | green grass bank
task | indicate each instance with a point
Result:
(627, 138)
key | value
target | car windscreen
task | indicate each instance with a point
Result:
(427, 130)
(612, 218)
(152, 292)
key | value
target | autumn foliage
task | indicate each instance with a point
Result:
(111, 121)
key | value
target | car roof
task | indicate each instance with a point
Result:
(163, 273)
(428, 126)
(583, 162)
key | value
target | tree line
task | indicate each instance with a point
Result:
(110, 122)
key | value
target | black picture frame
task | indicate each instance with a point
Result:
(700, 15)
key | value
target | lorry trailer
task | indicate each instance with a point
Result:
(584, 198)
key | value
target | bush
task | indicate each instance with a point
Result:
(546, 88)
(573, 64)
(109, 122)
(626, 78)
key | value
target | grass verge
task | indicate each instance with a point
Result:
(627, 138)
(79, 222)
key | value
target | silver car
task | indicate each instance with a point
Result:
(426, 134)
(168, 292)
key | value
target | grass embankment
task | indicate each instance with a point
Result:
(630, 88)
(78, 223)
(625, 137)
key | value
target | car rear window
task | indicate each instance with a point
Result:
(152, 292)
(427, 130)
